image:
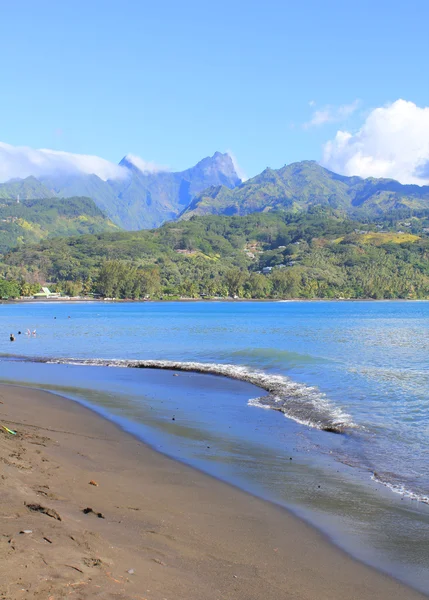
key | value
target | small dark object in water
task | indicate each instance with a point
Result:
(173, 418)
(50, 512)
(290, 458)
(88, 510)
(19, 333)
(12, 337)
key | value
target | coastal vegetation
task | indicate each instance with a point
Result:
(317, 254)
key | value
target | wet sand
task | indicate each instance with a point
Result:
(166, 531)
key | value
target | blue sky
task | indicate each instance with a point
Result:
(172, 82)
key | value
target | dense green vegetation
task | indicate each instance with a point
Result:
(32, 220)
(302, 185)
(319, 254)
(11, 288)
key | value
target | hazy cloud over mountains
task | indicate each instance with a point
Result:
(393, 142)
(240, 172)
(143, 165)
(22, 161)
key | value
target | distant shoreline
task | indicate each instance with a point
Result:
(205, 300)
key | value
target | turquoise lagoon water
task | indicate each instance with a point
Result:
(347, 444)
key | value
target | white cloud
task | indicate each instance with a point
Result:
(331, 114)
(393, 142)
(143, 165)
(22, 161)
(242, 175)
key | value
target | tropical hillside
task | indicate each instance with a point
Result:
(319, 254)
(30, 187)
(29, 221)
(301, 185)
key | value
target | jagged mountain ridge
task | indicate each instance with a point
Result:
(299, 186)
(138, 200)
(143, 200)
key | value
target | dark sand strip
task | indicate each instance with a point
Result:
(181, 534)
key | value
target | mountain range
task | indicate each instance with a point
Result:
(301, 185)
(139, 199)
(144, 200)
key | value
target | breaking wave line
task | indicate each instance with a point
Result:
(399, 488)
(302, 403)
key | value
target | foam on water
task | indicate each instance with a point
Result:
(302, 403)
(399, 488)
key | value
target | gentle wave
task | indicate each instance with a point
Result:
(399, 488)
(268, 357)
(303, 404)
(299, 402)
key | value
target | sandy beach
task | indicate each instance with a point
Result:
(157, 529)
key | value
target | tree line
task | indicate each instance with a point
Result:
(278, 255)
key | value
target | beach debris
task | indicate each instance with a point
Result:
(50, 512)
(88, 510)
(9, 430)
(92, 482)
(47, 540)
(130, 571)
(26, 531)
(75, 568)
(159, 562)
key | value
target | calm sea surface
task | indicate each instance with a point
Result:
(347, 446)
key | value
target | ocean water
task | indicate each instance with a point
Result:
(319, 406)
